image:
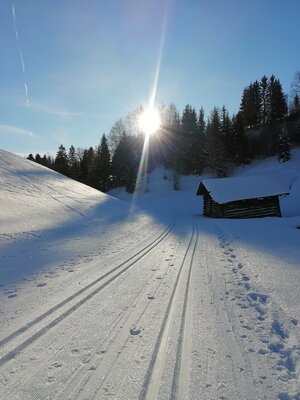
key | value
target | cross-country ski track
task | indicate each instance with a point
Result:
(139, 332)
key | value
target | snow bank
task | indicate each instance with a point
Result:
(36, 198)
(287, 175)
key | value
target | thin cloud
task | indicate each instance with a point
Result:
(62, 113)
(51, 110)
(15, 130)
(20, 54)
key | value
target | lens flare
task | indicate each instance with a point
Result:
(149, 121)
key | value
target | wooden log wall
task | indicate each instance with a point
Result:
(212, 208)
(254, 208)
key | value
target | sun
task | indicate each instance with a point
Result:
(149, 121)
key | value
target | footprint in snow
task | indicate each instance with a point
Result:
(288, 396)
(276, 347)
(57, 365)
(245, 278)
(261, 298)
(278, 329)
(249, 328)
(41, 284)
(135, 331)
(262, 352)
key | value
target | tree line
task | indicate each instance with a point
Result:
(188, 143)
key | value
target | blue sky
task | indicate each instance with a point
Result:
(87, 63)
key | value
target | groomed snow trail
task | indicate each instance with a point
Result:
(164, 323)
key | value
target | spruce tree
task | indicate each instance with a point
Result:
(201, 146)
(44, 160)
(264, 99)
(217, 160)
(295, 94)
(61, 161)
(73, 163)
(251, 105)
(104, 167)
(38, 158)
(284, 146)
(295, 108)
(277, 106)
(240, 151)
(227, 133)
(172, 131)
(87, 167)
(189, 131)
(124, 168)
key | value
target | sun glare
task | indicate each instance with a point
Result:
(149, 121)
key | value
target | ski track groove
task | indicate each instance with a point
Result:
(54, 355)
(128, 337)
(32, 338)
(151, 385)
(179, 388)
(75, 374)
(111, 342)
(89, 374)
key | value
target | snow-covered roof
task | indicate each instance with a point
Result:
(224, 190)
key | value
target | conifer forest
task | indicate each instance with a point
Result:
(266, 124)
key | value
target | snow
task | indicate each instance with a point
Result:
(141, 297)
(224, 190)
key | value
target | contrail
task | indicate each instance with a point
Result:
(21, 55)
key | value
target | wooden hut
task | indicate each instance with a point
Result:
(243, 197)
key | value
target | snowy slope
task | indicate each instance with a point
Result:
(286, 174)
(41, 209)
(142, 297)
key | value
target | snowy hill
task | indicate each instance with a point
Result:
(34, 197)
(43, 212)
(140, 296)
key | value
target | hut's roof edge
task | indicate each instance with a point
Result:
(225, 190)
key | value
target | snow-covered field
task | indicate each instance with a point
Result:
(141, 297)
